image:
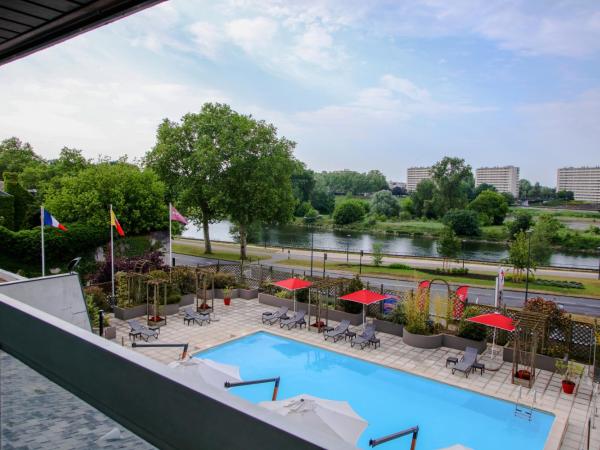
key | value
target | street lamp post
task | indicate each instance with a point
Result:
(348, 248)
(462, 251)
(599, 263)
(324, 263)
(528, 264)
(360, 262)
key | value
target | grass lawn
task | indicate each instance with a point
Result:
(196, 250)
(592, 287)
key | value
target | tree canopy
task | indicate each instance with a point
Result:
(491, 207)
(385, 204)
(351, 182)
(348, 211)
(15, 155)
(463, 222)
(137, 197)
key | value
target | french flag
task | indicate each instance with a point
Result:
(51, 221)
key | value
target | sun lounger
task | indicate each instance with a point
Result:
(139, 330)
(271, 317)
(465, 365)
(338, 332)
(192, 316)
(365, 337)
(297, 320)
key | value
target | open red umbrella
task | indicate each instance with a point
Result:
(365, 297)
(294, 284)
(495, 320)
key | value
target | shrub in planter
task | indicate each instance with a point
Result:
(284, 294)
(397, 315)
(223, 280)
(98, 296)
(569, 370)
(470, 330)
(417, 315)
(94, 313)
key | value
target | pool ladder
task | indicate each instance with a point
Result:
(521, 410)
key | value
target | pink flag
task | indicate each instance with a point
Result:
(176, 215)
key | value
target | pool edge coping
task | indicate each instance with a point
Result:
(555, 435)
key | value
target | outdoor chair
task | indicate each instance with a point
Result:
(297, 320)
(365, 338)
(465, 365)
(139, 330)
(338, 332)
(271, 317)
(192, 316)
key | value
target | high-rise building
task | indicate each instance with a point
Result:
(504, 179)
(414, 175)
(584, 182)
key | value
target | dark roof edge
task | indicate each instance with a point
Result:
(81, 20)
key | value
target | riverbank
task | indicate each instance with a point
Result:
(411, 269)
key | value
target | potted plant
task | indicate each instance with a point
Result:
(227, 295)
(569, 370)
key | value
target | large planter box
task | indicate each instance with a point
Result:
(460, 343)
(218, 293)
(171, 309)
(421, 341)
(541, 361)
(247, 294)
(385, 326)
(110, 332)
(187, 299)
(338, 316)
(129, 313)
(355, 319)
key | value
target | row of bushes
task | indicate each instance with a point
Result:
(60, 246)
(560, 283)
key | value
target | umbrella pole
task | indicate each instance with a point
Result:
(364, 318)
(494, 343)
(308, 327)
(294, 301)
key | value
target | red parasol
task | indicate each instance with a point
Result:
(495, 320)
(295, 284)
(365, 297)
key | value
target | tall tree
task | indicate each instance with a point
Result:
(15, 155)
(453, 179)
(190, 158)
(491, 207)
(448, 245)
(257, 177)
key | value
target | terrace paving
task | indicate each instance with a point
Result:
(243, 318)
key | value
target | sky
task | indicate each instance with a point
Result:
(358, 85)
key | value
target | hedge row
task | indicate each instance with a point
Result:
(7, 211)
(61, 246)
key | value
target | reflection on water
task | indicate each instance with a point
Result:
(291, 236)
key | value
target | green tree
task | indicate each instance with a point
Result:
(351, 182)
(448, 245)
(522, 221)
(138, 197)
(15, 155)
(257, 179)
(483, 187)
(348, 211)
(303, 182)
(377, 251)
(384, 203)
(422, 199)
(190, 157)
(491, 206)
(322, 199)
(24, 206)
(453, 179)
(464, 222)
(518, 255)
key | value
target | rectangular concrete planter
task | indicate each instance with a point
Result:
(248, 294)
(385, 326)
(171, 309)
(110, 332)
(187, 299)
(129, 313)
(218, 293)
(460, 343)
(422, 341)
(541, 361)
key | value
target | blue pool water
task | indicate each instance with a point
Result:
(390, 400)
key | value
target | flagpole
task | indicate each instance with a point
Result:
(170, 239)
(112, 256)
(43, 250)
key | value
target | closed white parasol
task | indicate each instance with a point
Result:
(329, 416)
(209, 371)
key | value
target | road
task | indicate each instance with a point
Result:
(574, 305)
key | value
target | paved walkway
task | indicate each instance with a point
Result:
(243, 317)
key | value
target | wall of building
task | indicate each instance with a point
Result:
(584, 182)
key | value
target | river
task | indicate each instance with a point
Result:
(293, 236)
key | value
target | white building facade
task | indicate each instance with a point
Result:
(414, 175)
(504, 179)
(584, 182)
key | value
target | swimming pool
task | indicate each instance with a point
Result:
(390, 400)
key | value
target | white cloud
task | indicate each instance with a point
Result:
(207, 37)
(252, 35)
